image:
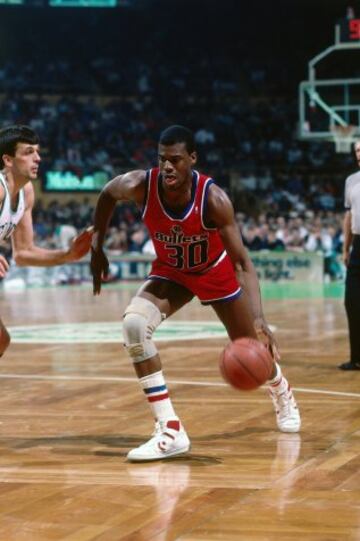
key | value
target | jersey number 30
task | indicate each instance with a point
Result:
(188, 255)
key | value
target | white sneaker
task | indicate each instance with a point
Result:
(287, 412)
(169, 439)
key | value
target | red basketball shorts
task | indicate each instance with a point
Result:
(218, 283)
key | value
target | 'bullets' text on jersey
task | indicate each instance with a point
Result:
(183, 241)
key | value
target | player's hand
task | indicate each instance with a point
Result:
(80, 245)
(99, 266)
(345, 258)
(266, 336)
(4, 266)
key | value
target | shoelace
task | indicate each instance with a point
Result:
(283, 403)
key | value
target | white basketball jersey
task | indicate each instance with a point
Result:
(10, 218)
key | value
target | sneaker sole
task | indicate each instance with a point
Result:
(290, 430)
(181, 451)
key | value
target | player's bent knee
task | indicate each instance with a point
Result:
(5, 340)
(140, 321)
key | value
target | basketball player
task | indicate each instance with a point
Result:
(19, 160)
(199, 253)
(351, 258)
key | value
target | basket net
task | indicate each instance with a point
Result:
(343, 137)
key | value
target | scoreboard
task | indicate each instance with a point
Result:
(68, 3)
(83, 3)
(349, 30)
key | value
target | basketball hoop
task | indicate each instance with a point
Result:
(343, 137)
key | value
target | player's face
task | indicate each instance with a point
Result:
(25, 163)
(176, 165)
(357, 151)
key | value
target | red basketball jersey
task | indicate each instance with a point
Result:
(182, 241)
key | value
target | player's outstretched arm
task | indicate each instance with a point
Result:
(220, 212)
(25, 251)
(127, 187)
(80, 245)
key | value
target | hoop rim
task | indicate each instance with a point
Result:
(343, 132)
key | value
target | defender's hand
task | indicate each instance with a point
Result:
(80, 245)
(267, 337)
(99, 266)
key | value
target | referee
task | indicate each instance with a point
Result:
(351, 257)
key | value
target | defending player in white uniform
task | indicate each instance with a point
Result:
(10, 217)
(19, 165)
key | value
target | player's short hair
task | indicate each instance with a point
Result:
(178, 134)
(10, 136)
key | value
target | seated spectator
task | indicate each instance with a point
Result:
(116, 242)
(138, 238)
(273, 242)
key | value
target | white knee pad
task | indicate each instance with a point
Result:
(140, 321)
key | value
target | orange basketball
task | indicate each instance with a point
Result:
(246, 364)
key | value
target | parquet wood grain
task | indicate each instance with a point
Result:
(69, 413)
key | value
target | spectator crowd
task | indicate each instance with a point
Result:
(103, 110)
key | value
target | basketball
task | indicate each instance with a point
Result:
(246, 364)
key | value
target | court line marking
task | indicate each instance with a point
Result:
(110, 332)
(119, 379)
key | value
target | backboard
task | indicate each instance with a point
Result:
(329, 108)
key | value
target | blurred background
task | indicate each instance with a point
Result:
(100, 79)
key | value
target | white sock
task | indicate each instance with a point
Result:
(156, 392)
(279, 384)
